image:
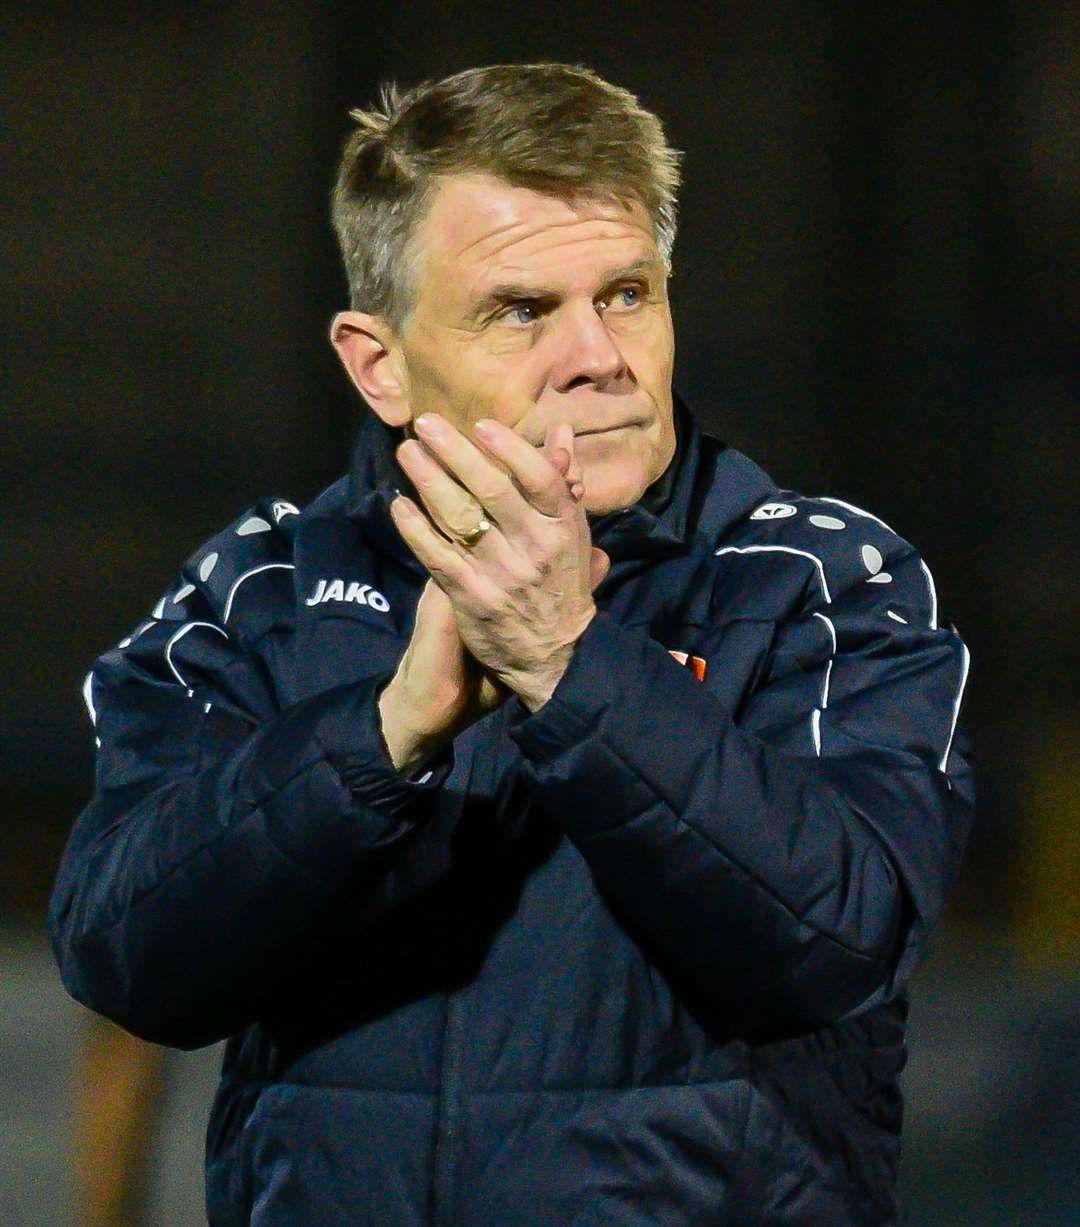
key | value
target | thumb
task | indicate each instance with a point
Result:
(434, 605)
(436, 625)
(599, 566)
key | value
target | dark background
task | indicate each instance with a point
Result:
(877, 296)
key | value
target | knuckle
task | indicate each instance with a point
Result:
(466, 517)
(504, 603)
(446, 572)
(484, 613)
(554, 481)
(494, 489)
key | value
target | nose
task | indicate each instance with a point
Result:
(587, 352)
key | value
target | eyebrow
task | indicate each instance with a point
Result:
(510, 292)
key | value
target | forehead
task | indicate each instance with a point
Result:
(480, 229)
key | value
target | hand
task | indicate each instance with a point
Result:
(522, 595)
(438, 689)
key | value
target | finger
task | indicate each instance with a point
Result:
(435, 656)
(488, 481)
(449, 504)
(599, 566)
(447, 563)
(533, 470)
(568, 466)
(458, 515)
(560, 458)
(559, 435)
(435, 625)
(560, 444)
(458, 570)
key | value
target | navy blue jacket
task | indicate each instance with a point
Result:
(638, 958)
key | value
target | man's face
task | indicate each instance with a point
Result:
(532, 311)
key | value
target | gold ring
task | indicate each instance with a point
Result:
(473, 536)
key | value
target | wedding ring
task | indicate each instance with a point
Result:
(473, 536)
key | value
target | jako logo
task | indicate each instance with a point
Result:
(360, 594)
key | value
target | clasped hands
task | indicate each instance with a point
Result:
(503, 615)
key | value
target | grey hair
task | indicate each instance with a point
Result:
(554, 128)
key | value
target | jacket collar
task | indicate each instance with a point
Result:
(707, 486)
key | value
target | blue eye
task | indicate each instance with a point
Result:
(522, 313)
(624, 299)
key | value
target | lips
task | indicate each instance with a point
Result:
(592, 429)
(606, 429)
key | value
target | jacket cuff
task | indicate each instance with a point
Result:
(347, 730)
(588, 689)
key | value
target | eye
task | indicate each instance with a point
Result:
(625, 298)
(521, 313)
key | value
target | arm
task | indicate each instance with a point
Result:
(788, 888)
(227, 838)
(789, 885)
(217, 851)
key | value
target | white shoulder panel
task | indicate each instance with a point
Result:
(851, 547)
(256, 541)
(203, 599)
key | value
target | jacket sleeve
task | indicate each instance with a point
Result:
(228, 840)
(788, 860)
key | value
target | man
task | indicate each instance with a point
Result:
(553, 840)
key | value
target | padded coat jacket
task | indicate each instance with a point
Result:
(638, 958)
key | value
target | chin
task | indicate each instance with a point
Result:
(606, 492)
(617, 470)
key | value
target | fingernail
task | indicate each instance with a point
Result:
(577, 492)
(428, 424)
(484, 427)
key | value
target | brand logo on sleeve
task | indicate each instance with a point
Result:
(774, 511)
(352, 592)
(281, 508)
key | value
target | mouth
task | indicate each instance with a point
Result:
(607, 430)
(589, 432)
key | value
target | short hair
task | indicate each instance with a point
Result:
(555, 128)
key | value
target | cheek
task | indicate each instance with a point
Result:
(428, 386)
(661, 358)
(462, 389)
(650, 340)
(500, 388)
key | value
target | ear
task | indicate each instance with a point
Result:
(365, 345)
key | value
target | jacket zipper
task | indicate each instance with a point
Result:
(484, 747)
(447, 1136)
(448, 1118)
